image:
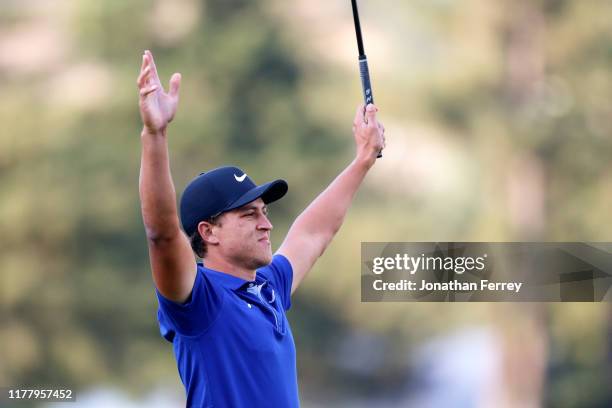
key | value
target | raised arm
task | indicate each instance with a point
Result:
(172, 261)
(314, 229)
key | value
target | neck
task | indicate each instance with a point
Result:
(222, 265)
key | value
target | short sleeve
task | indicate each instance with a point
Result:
(280, 273)
(194, 316)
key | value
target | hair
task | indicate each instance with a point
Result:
(198, 245)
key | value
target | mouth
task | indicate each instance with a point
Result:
(264, 240)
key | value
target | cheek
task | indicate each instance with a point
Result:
(237, 234)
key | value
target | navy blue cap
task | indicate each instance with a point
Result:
(223, 189)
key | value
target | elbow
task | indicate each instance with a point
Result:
(324, 241)
(333, 229)
(157, 235)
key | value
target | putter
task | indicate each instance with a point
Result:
(364, 72)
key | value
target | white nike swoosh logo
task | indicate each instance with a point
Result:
(241, 178)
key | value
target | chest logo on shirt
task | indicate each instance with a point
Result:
(273, 297)
(257, 291)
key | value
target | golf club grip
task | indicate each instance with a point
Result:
(368, 96)
(364, 72)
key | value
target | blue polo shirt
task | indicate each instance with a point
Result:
(232, 340)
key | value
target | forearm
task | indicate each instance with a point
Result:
(314, 229)
(324, 216)
(157, 193)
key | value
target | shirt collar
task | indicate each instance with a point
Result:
(227, 280)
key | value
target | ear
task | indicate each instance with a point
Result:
(208, 232)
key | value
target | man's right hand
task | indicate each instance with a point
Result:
(157, 108)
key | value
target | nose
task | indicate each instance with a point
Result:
(264, 223)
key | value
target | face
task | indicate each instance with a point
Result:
(244, 235)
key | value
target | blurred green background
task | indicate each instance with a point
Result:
(499, 128)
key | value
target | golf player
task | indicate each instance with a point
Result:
(225, 317)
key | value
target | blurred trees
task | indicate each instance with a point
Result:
(77, 300)
(498, 115)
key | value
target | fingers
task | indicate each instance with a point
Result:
(144, 70)
(370, 115)
(145, 91)
(148, 81)
(150, 59)
(175, 84)
(144, 62)
(142, 78)
(154, 75)
(381, 127)
(359, 118)
(366, 115)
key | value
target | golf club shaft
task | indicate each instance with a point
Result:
(357, 28)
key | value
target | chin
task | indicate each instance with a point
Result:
(263, 260)
(257, 260)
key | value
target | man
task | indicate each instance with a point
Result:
(226, 317)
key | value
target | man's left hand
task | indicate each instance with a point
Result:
(369, 134)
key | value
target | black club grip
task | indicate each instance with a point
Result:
(364, 72)
(368, 96)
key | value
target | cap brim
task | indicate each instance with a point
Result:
(268, 192)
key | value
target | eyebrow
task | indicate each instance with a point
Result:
(252, 207)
